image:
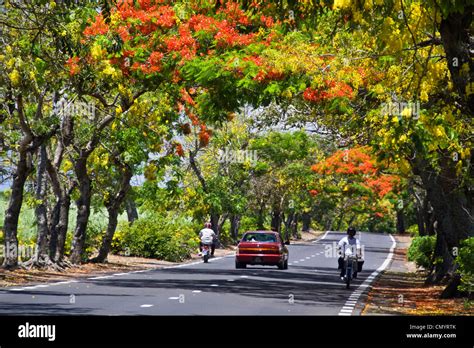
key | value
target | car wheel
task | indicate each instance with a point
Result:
(281, 265)
(240, 265)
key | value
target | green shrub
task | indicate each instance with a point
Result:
(94, 236)
(465, 261)
(157, 236)
(413, 230)
(421, 251)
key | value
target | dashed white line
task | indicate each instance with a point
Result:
(214, 285)
(197, 291)
(146, 305)
(248, 276)
(173, 298)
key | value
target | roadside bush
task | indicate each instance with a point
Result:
(465, 261)
(421, 251)
(94, 236)
(157, 236)
(413, 230)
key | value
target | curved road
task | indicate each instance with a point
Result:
(311, 286)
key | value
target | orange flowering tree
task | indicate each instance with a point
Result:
(365, 194)
(162, 69)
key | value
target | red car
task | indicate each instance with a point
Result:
(261, 248)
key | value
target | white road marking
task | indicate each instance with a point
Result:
(231, 280)
(301, 260)
(307, 258)
(16, 289)
(317, 240)
(146, 305)
(362, 287)
(65, 282)
(102, 277)
(120, 274)
(197, 291)
(296, 261)
(214, 285)
(173, 298)
(244, 276)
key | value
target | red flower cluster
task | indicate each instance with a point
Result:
(204, 136)
(383, 184)
(152, 65)
(234, 13)
(228, 36)
(73, 65)
(98, 27)
(313, 192)
(333, 90)
(268, 21)
(183, 43)
(351, 161)
(179, 150)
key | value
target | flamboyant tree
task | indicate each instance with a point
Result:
(205, 59)
(359, 185)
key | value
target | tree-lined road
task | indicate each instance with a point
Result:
(311, 286)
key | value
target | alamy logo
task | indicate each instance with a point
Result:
(37, 331)
(74, 107)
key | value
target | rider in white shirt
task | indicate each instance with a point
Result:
(348, 242)
(208, 237)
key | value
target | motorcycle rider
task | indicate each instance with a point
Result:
(207, 237)
(348, 241)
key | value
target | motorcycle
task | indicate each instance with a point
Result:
(206, 252)
(350, 266)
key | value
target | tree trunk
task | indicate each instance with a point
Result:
(276, 221)
(306, 220)
(83, 209)
(215, 222)
(234, 226)
(294, 226)
(457, 43)
(62, 226)
(41, 257)
(453, 213)
(113, 209)
(400, 222)
(12, 213)
(261, 216)
(132, 212)
(104, 250)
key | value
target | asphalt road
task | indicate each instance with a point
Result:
(311, 286)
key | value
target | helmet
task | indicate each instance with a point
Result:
(207, 225)
(351, 231)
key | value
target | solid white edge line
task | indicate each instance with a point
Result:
(115, 274)
(321, 238)
(358, 292)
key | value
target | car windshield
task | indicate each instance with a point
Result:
(259, 237)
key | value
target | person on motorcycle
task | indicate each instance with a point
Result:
(207, 237)
(349, 241)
